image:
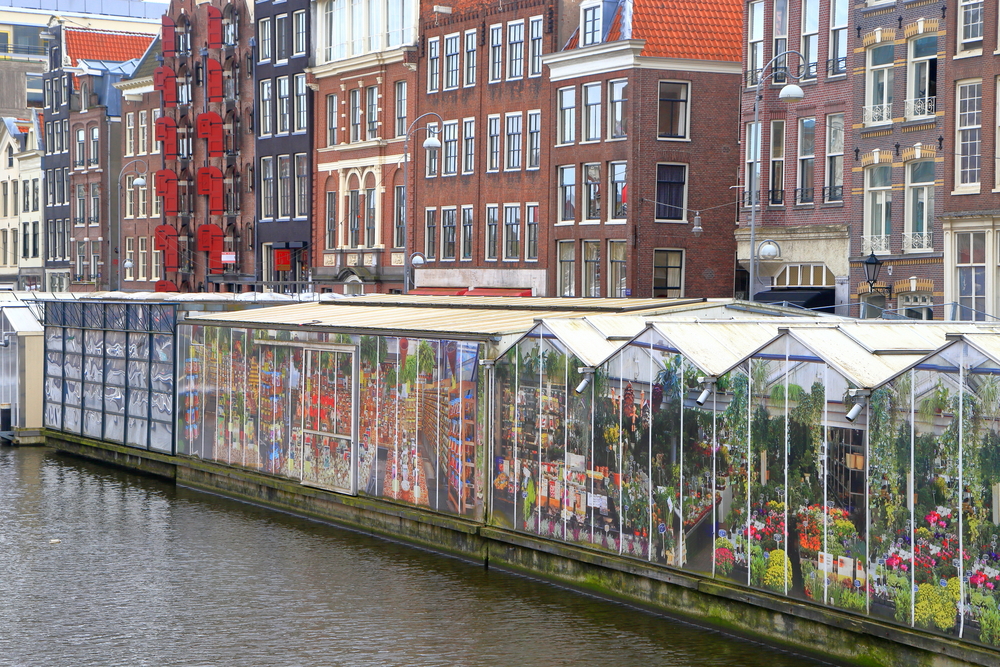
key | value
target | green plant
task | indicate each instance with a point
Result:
(989, 627)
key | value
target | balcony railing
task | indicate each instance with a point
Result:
(836, 66)
(833, 193)
(776, 197)
(93, 220)
(877, 113)
(804, 195)
(874, 243)
(751, 198)
(918, 241)
(922, 106)
(79, 221)
(808, 71)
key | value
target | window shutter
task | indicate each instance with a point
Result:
(165, 81)
(166, 131)
(213, 80)
(165, 181)
(210, 183)
(165, 240)
(210, 129)
(168, 42)
(210, 240)
(214, 27)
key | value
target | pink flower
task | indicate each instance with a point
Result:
(989, 585)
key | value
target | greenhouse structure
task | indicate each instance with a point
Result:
(853, 465)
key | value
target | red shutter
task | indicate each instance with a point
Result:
(166, 131)
(213, 80)
(210, 240)
(168, 43)
(210, 183)
(214, 27)
(165, 81)
(165, 240)
(165, 181)
(166, 286)
(210, 128)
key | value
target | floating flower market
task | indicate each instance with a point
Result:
(848, 465)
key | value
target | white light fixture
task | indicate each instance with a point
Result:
(791, 93)
(697, 229)
(127, 263)
(769, 250)
(417, 259)
(432, 142)
(139, 182)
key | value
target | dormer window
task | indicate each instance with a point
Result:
(591, 25)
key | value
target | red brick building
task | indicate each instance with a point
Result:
(483, 209)
(141, 261)
(970, 220)
(364, 103)
(644, 106)
(205, 185)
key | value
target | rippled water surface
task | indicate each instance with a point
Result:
(147, 574)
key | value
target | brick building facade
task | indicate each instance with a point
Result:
(207, 235)
(284, 147)
(970, 220)
(483, 200)
(364, 89)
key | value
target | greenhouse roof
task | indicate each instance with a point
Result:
(715, 346)
(867, 353)
(946, 359)
(591, 339)
(464, 317)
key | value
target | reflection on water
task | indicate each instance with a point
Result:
(146, 574)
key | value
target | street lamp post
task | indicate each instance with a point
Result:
(789, 93)
(430, 143)
(138, 182)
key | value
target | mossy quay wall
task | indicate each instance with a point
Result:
(811, 629)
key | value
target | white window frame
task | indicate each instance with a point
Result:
(266, 38)
(535, 46)
(806, 162)
(467, 231)
(513, 141)
(515, 50)
(468, 145)
(566, 106)
(469, 66)
(401, 110)
(877, 211)
(969, 33)
(433, 65)
(968, 135)
(918, 75)
(755, 41)
(918, 232)
(496, 53)
(452, 69)
(879, 84)
(685, 105)
(449, 148)
(567, 191)
(668, 290)
(591, 24)
(590, 98)
(810, 39)
(839, 13)
(491, 250)
(493, 131)
(511, 221)
(566, 259)
(833, 190)
(533, 146)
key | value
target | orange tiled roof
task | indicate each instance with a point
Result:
(696, 29)
(115, 47)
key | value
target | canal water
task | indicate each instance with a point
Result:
(148, 574)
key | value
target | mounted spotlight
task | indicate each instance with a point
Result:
(588, 374)
(860, 401)
(708, 384)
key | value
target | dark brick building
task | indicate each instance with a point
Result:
(284, 148)
(644, 101)
(483, 206)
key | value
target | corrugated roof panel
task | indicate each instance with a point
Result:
(851, 359)
(583, 338)
(716, 347)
